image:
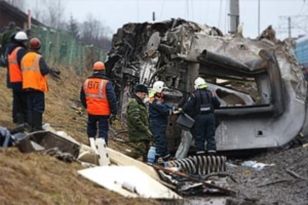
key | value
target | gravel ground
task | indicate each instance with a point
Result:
(284, 183)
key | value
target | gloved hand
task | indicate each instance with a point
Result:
(178, 111)
(55, 73)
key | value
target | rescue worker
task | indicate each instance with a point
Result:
(200, 106)
(98, 97)
(5, 39)
(15, 52)
(138, 123)
(159, 112)
(34, 71)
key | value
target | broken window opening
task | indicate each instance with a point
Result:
(240, 93)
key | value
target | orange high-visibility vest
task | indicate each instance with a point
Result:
(31, 74)
(96, 97)
(14, 69)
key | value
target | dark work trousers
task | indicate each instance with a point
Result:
(158, 129)
(19, 111)
(204, 130)
(36, 108)
(102, 122)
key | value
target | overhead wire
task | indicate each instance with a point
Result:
(302, 8)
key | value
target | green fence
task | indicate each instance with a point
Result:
(60, 48)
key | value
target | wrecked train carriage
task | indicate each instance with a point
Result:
(259, 82)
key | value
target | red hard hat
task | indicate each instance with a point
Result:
(35, 43)
(99, 65)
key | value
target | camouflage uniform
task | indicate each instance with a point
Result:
(138, 128)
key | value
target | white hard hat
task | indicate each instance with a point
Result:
(21, 36)
(200, 83)
(158, 86)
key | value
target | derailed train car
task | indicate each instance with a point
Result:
(258, 81)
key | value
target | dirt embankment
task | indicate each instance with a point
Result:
(41, 179)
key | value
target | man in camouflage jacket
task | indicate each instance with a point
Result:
(138, 123)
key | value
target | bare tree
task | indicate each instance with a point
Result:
(94, 32)
(55, 13)
(38, 10)
(91, 28)
(73, 27)
(50, 12)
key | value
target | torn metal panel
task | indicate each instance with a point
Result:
(35, 141)
(258, 81)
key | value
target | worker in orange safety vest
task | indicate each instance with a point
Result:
(15, 52)
(34, 71)
(98, 97)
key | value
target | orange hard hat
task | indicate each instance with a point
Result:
(35, 43)
(99, 65)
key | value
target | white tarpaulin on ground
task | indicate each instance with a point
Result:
(128, 181)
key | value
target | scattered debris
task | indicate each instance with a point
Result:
(11, 137)
(134, 183)
(47, 140)
(99, 145)
(256, 165)
(208, 184)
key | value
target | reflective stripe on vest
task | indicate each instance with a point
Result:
(96, 97)
(14, 69)
(31, 74)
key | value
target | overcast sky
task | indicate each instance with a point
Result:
(115, 13)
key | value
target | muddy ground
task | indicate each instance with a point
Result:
(41, 179)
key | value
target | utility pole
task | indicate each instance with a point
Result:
(234, 15)
(289, 26)
(153, 16)
(293, 25)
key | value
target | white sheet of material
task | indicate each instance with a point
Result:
(128, 181)
(101, 150)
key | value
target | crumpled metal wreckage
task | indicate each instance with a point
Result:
(258, 81)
